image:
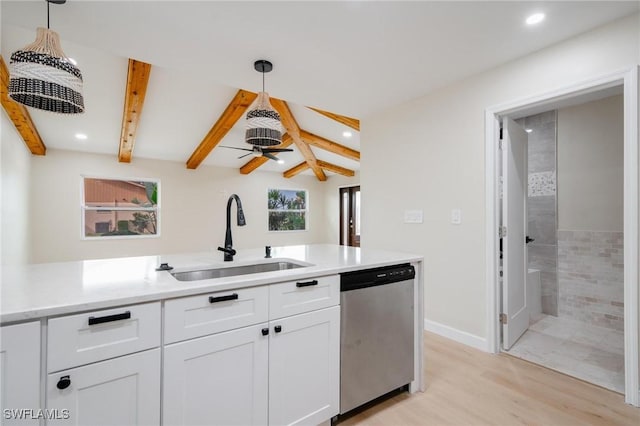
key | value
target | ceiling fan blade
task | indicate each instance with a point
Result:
(277, 149)
(233, 147)
(242, 156)
(269, 156)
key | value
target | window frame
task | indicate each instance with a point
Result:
(101, 209)
(306, 210)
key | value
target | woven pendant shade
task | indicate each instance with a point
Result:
(41, 76)
(263, 123)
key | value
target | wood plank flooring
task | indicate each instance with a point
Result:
(466, 387)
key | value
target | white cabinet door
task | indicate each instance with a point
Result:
(120, 391)
(304, 368)
(220, 379)
(20, 373)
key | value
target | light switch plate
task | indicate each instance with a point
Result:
(456, 216)
(413, 216)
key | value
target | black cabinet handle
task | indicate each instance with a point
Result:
(233, 296)
(109, 318)
(64, 382)
(307, 284)
(277, 328)
(265, 331)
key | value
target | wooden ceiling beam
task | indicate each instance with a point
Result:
(290, 124)
(256, 162)
(137, 81)
(354, 123)
(19, 115)
(336, 169)
(239, 104)
(330, 146)
(295, 170)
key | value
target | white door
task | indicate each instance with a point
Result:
(514, 219)
(120, 391)
(19, 373)
(304, 368)
(221, 379)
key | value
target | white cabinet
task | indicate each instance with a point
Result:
(282, 372)
(103, 368)
(220, 379)
(119, 391)
(20, 373)
(304, 368)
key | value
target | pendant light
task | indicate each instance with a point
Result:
(41, 75)
(263, 122)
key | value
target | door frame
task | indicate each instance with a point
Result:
(351, 208)
(628, 79)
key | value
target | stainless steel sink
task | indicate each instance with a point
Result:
(229, 271)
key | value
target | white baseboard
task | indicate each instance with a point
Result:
(456, 335)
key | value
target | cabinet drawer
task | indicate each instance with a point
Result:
(93, 336)
(196, 316)
(296, 297)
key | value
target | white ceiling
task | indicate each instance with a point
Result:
(349, 57)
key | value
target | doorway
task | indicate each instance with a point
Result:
(573, 280)
(350, 216)
(566, 96)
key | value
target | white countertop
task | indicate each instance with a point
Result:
(47, 289)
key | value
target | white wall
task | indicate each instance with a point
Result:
(193, 207)
(590, 166)
(436, 146)
(15, 166)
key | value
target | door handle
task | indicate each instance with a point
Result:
(528, 239)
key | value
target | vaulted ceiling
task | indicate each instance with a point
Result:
(185, 63)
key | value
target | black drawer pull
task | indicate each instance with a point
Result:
(109, 318)
(307, 284)
(233, 296)
(277, 328)
(64, 382)
(265, 331)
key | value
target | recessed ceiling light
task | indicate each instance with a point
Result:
(528, 130)
(280, 161)
(536, 18)
(347, 134)
(81, 136)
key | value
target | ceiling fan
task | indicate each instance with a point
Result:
(258, 151)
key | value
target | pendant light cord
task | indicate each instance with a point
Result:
(263, 78)
(48, 5)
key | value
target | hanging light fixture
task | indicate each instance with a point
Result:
(263, 122)
(41, 75)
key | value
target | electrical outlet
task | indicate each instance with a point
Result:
(413, 216)
(456, 216)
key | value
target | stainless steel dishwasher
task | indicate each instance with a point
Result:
(377, 333)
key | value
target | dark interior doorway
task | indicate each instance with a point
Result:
(350, 216)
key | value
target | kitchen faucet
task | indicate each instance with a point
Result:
(228, 250)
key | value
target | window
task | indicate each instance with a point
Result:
(119, 208)
(287, 210)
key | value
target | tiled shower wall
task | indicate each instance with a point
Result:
(543, 252)
(591, 270)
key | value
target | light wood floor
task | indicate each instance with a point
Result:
(466, 386)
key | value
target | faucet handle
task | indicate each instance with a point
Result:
(229, 250)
